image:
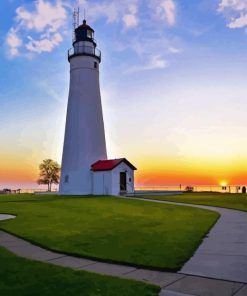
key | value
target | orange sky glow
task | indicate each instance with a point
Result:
(21, 172)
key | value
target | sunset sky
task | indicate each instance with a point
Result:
(173, 85)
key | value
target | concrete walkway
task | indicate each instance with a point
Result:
(221, 256)
(223, 253)
(6, 217)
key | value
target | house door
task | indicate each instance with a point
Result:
(244, 189)
(123, 182)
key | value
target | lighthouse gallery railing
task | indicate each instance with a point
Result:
(84, 50)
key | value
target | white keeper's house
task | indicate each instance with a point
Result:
(113, 177)
(85, 167)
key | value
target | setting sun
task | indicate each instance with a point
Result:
(223, 183)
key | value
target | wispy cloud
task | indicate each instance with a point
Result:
(152, 48)
(174, 50)
(45, 17)
(155, 62)
(149, 42)
(127, 11)
(14, 42)
(44, 44)
(165, 10)
(235, 11)
(114, 11)
(130, 19)
(38, 28)
(238, 5)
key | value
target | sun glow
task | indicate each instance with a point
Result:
(223, 183)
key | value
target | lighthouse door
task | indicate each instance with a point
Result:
(123, 182)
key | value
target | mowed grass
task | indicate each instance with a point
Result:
(223, 200)
(22, 277)
(110, 229)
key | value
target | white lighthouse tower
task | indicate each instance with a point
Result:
(84, 141)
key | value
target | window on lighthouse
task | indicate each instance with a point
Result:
(89, 33)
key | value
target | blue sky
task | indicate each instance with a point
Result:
(173, 83)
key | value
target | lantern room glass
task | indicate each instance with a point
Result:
(90, 34)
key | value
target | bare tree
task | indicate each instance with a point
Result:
(49, 173)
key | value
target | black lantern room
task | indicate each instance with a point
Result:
(83, 34)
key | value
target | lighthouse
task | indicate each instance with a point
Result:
(85, 167)
(84, 140)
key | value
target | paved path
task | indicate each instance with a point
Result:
(225, 243)
(223, 253)
(6, 217)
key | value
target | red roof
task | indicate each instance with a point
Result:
(107, 165)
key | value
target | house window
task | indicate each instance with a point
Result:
(129, 179)
(95, 65)
(66, 179)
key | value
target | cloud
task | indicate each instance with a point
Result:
(151, 46)
(235, 11)
(238, 22)
(45, 17)
(174, 50)
(130, 19)
(45, 44)
(40, 26)
(114, 11)
(127, 11)
(155, 62)
(14, 42)
(165, 10)
(238, 5)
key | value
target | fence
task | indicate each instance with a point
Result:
(17, 191)
(194, 188)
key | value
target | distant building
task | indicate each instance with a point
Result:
(85, 168)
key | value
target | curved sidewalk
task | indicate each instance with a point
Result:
(6, 217)
(222, 255)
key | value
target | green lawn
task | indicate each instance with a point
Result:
(110, 229)
(22, 277)
(223, 200)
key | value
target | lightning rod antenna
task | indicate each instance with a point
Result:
(74, 24)
(78, 16)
